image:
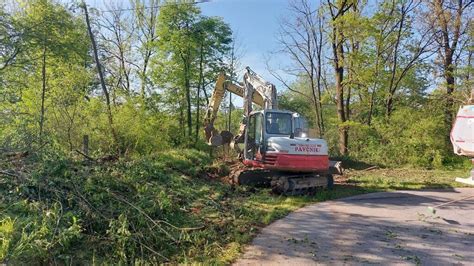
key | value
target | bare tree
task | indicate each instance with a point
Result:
(116, 38)
(301, 37)
(412, 49)
(449, 21)
(146, 16)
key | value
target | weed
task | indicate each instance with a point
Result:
(391, 234)
(414, 258)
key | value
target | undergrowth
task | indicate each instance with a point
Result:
(158, 209)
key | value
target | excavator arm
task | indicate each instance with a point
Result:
(254, 90)
(221, 86)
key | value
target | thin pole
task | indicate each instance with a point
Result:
(230, 111)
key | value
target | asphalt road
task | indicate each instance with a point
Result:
(377, 228)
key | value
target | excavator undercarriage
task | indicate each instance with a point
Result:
(286, 183)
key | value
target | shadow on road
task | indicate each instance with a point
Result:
(376, 228)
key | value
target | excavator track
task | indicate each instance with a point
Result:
(252, 177)
(301, 184)
(281, 182)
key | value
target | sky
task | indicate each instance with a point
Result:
(256, 24)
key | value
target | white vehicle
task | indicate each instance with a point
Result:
(462, 135)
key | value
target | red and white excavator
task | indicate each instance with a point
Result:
(462, 135)
(276, 145)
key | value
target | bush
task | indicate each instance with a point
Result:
(409, 138)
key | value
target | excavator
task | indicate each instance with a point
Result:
(277, 149)
(462, 135)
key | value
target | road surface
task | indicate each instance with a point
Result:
(376, 228)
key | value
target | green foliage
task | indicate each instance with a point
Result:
(155, 202)
(411, 137)
(190, 52)
(63, 207)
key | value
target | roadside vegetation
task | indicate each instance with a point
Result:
(160, 208)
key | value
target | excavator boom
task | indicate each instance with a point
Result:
(221, 86)
(254, 90)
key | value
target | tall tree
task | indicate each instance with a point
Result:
(146, 18)
(449, 21)
(301, 38)
(338, 10)
(101, 76)
(407, 50)
(10, 39)
(53, 32)
(177, 42)
(195, 45)
(214, 40)
(115, 42)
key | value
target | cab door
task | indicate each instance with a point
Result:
(253, 136)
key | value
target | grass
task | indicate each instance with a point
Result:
(156, 209)
(405, 178)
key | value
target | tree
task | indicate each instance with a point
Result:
(301, 38)
(52, 32)
(177, 46)
(190, 49)
(115, 42)
(407, 50)
(101, 75)
(146, 18)
(338, 9)
(11, 39)
(214, 38)
(233, 62)
(449, 21)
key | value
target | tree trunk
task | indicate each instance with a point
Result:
(450, 83)
(143, 76)
(101, 78)
(43, 96)
(187, 84)
(391, 89)
(200, 86)
(181, 119)
(229, 125)
(338, 51)
(372, 94)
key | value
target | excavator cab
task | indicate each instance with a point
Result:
(278, 140)
(261, 125)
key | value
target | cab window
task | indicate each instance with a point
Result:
(278, 123)
(255, 128)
